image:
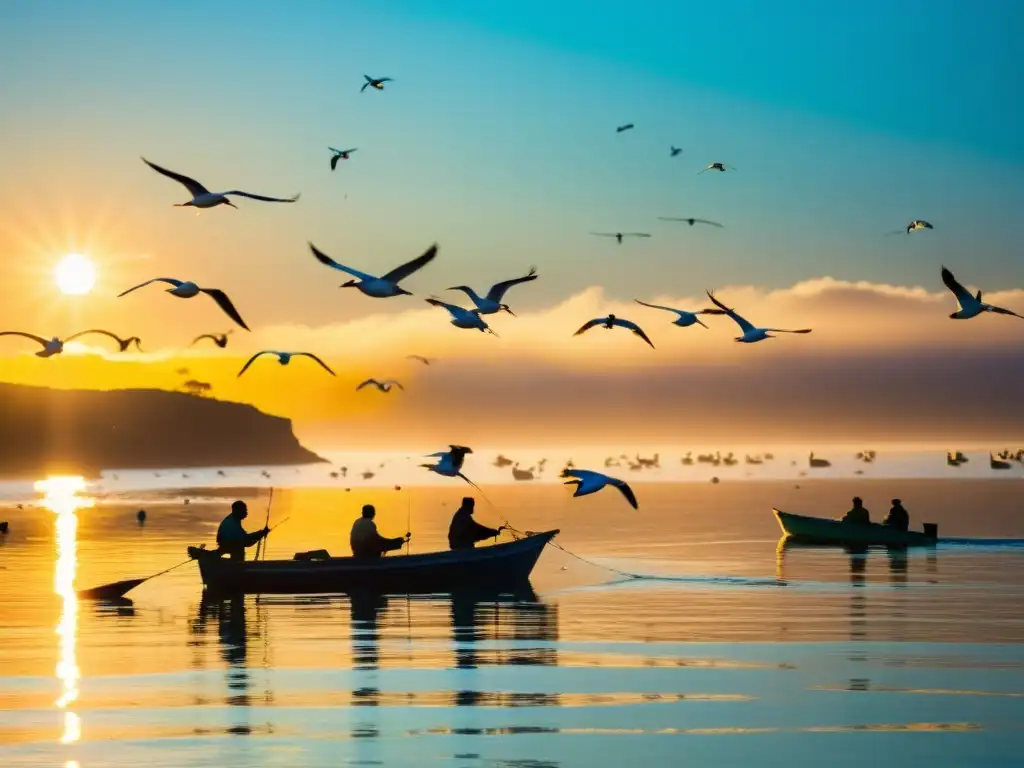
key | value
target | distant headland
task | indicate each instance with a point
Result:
(50, 431)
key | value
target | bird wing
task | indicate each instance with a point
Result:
(961, 293)
(784, 330)
(658, 306)
(171, 280)
(334, 161)
(590, 324)
(396, 383)
(671, 218)
(323, 258)
(314, 357)
(194, 187)
(635, 234)
(402, 272)
(384, 79)
(604, 234)
(225, 303)
(745, 325)
(264, 198)
(707, 221)
(32, 336)
(367, 383)
(253, 358)
(204, 336)
(634, 328)
(450, 307)
(1003, 311)
(114, 336)
(498, 289)
(626, 491)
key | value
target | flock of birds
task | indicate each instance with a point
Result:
(388, 285)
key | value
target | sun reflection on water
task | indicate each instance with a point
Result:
(60, 495)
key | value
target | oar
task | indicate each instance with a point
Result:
(118, 588)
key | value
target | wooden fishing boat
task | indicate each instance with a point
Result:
(819, 530)
(507, 564)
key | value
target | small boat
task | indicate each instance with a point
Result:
(821, 530)
(508, 564)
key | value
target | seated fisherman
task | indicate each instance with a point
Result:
(898, 517)
(232, 538)
(464, 532)
(858, 514)
(366, 542)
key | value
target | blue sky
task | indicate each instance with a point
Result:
(497, 139)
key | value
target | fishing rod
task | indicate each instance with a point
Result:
(266, 524)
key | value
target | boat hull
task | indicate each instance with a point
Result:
(817, 530)
(508, 564)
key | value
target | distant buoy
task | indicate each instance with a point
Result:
(141, 516)
(185, 502)
(714, 480)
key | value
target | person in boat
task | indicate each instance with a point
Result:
(858, 515)
(366, 541)
(232, 538)
(898, 517)
(464, 532)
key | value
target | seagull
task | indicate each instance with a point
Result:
(220, 339)
(383, 386)
(123, 343)
(685, 319)
(421, 358)
(673, 151)
(610, 322)
(914, 226)
(50, 348)
(970, 306)
(375, 82)
(204, 198)
(588, 482)
(750, 333)
(186, 290)
(340, 154)
(619, 235)
(491, 303)
(284, 358)
(379, 287)
(463, 318)
(449, 463)
(717, 167)
(626, 127)
(691, 221)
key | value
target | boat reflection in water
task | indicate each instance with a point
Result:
(60, 496)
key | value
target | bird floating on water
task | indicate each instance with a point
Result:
(462, 317)
(626, 127)
(970, 306)
(284, 358)
(673, 151)
(914, 226)
(692, 221)
(184, 289)
(204, 198)
(50, 348)
(491, 303)
(717, 167)
(384, 286)
(375, 82)
(122, 343)
(340, 154)
(619, 235)
(383, 386)
(750, 333)
(686, 318)
(612, 321)
(587, 482)
(220, 339)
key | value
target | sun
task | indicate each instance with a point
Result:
(75, 274)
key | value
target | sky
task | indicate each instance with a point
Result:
(497, 140)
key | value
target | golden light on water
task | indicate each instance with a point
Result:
(61, 496)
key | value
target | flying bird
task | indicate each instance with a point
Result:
(374, 82)
(450, 462)
(691, 221)
(379, 287)
(220, 339)
(383, 386)
(673, 151)
(619, 235)
(610, 322)
(204, 198)
(491, 303)
(914, 226)
(340, 154)
(284, 358)
(750, 333)
(50, 348)
(420, 358)
(685, 319)
(122, 343)
(626, 127)
(588, 482)
(186, 290)
(717, 167)
(970, 306)
(463, 318)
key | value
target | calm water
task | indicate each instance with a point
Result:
(731, 651)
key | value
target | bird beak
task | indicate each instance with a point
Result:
(349, 284)
(228, 202)
(509, 311)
